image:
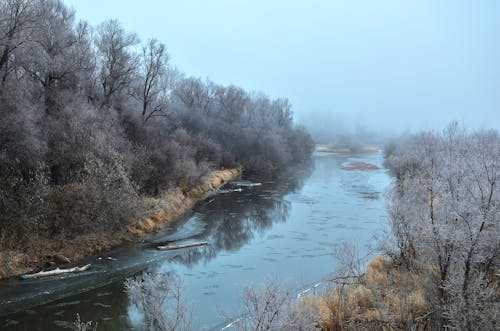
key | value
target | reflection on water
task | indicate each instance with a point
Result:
(233, 220)
(286, 228)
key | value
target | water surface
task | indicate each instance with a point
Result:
(285, 229)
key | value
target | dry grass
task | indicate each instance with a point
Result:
(157, 214)
(386, 298)
(371, 315)
(360, 297)
(380, 262)
(331, 310)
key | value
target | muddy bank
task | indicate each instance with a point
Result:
(363, 166)
(157, 213)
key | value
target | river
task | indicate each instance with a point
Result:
(285, 229)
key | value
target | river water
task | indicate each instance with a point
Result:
(285, 229)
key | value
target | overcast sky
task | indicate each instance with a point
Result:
(385, 64)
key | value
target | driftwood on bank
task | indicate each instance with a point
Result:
(55, 272)
(170, 247)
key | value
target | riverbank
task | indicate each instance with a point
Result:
(386, 297)
(156, 213)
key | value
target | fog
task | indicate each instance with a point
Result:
(103, 128)
(380, 65)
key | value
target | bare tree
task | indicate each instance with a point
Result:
(16, 27)
(232, 101)
(117, 63)
(154, 89)
(274, 306)
(196, 95)
(58, 53)
(265, 307)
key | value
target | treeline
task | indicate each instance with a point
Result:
(90, 119)
(445, 211)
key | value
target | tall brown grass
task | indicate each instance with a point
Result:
(386, 297)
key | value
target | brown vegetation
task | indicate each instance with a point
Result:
(386, 297)
(157, 213)
(171, 205)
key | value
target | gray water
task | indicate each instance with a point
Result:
(285, 229)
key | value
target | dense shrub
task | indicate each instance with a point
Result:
(88, 123)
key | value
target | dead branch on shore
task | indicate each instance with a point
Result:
(55, 272)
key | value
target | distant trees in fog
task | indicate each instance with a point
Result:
(445, 213)
(334, 129)
(89, 117)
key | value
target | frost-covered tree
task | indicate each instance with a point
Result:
(445, 215)
(117, 63)
(58, 55)
(154, 87)
(17, 25)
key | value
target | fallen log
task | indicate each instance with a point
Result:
(170, 247)
(55, 272)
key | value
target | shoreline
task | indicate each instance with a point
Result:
(157, 214)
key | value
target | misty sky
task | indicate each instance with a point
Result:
(385, 64)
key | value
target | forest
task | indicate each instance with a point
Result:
(91, 118)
